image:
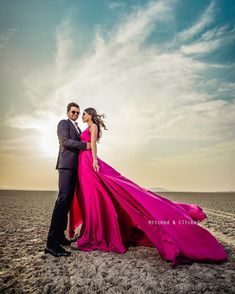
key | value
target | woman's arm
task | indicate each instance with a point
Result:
(94, 135)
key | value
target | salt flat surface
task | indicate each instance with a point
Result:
(25, 218)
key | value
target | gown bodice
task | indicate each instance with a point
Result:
(85, 135)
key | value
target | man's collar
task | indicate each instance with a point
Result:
(72, 121)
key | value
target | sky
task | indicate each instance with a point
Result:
(162, 72)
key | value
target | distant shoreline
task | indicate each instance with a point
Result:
(155, 191)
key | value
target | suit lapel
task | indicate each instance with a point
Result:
(79, 130)
(76, 132)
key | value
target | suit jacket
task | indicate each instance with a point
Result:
(70, 144)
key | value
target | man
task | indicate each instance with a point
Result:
(67, 165)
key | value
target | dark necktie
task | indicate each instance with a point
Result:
(77, 128)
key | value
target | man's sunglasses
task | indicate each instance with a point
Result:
(73, 112)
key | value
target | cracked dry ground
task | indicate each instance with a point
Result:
(25, 217)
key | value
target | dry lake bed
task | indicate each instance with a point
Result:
(25, 217)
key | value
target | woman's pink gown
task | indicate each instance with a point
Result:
(115, 212)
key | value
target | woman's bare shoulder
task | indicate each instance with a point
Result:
(93, 128)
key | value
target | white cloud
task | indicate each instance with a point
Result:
(137, 81)
(137, 26)
(147, 94)
(210, 41)
(206, 18)
(5, 38)
(115, 5)
(64, 44)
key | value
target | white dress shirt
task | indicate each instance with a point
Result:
(75, 125)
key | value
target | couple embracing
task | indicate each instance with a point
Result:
(113, 211)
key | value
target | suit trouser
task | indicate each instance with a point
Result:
(67, 184)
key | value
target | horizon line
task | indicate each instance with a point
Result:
(164, 191)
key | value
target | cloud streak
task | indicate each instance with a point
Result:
(205, 19)
(5, 38)
(141, 80)
(149, 92)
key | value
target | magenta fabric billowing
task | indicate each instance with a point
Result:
(115, 211)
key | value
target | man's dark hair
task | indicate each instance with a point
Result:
(72, 104)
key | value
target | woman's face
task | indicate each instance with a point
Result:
(85, 117)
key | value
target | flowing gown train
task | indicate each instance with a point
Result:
(115, 212)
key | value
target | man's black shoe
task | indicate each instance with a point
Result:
(65, 241)
(57, 251)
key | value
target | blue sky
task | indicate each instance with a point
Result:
(162, 71)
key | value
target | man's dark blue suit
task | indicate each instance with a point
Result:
(67, 166)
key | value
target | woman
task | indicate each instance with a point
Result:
(115, 212)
